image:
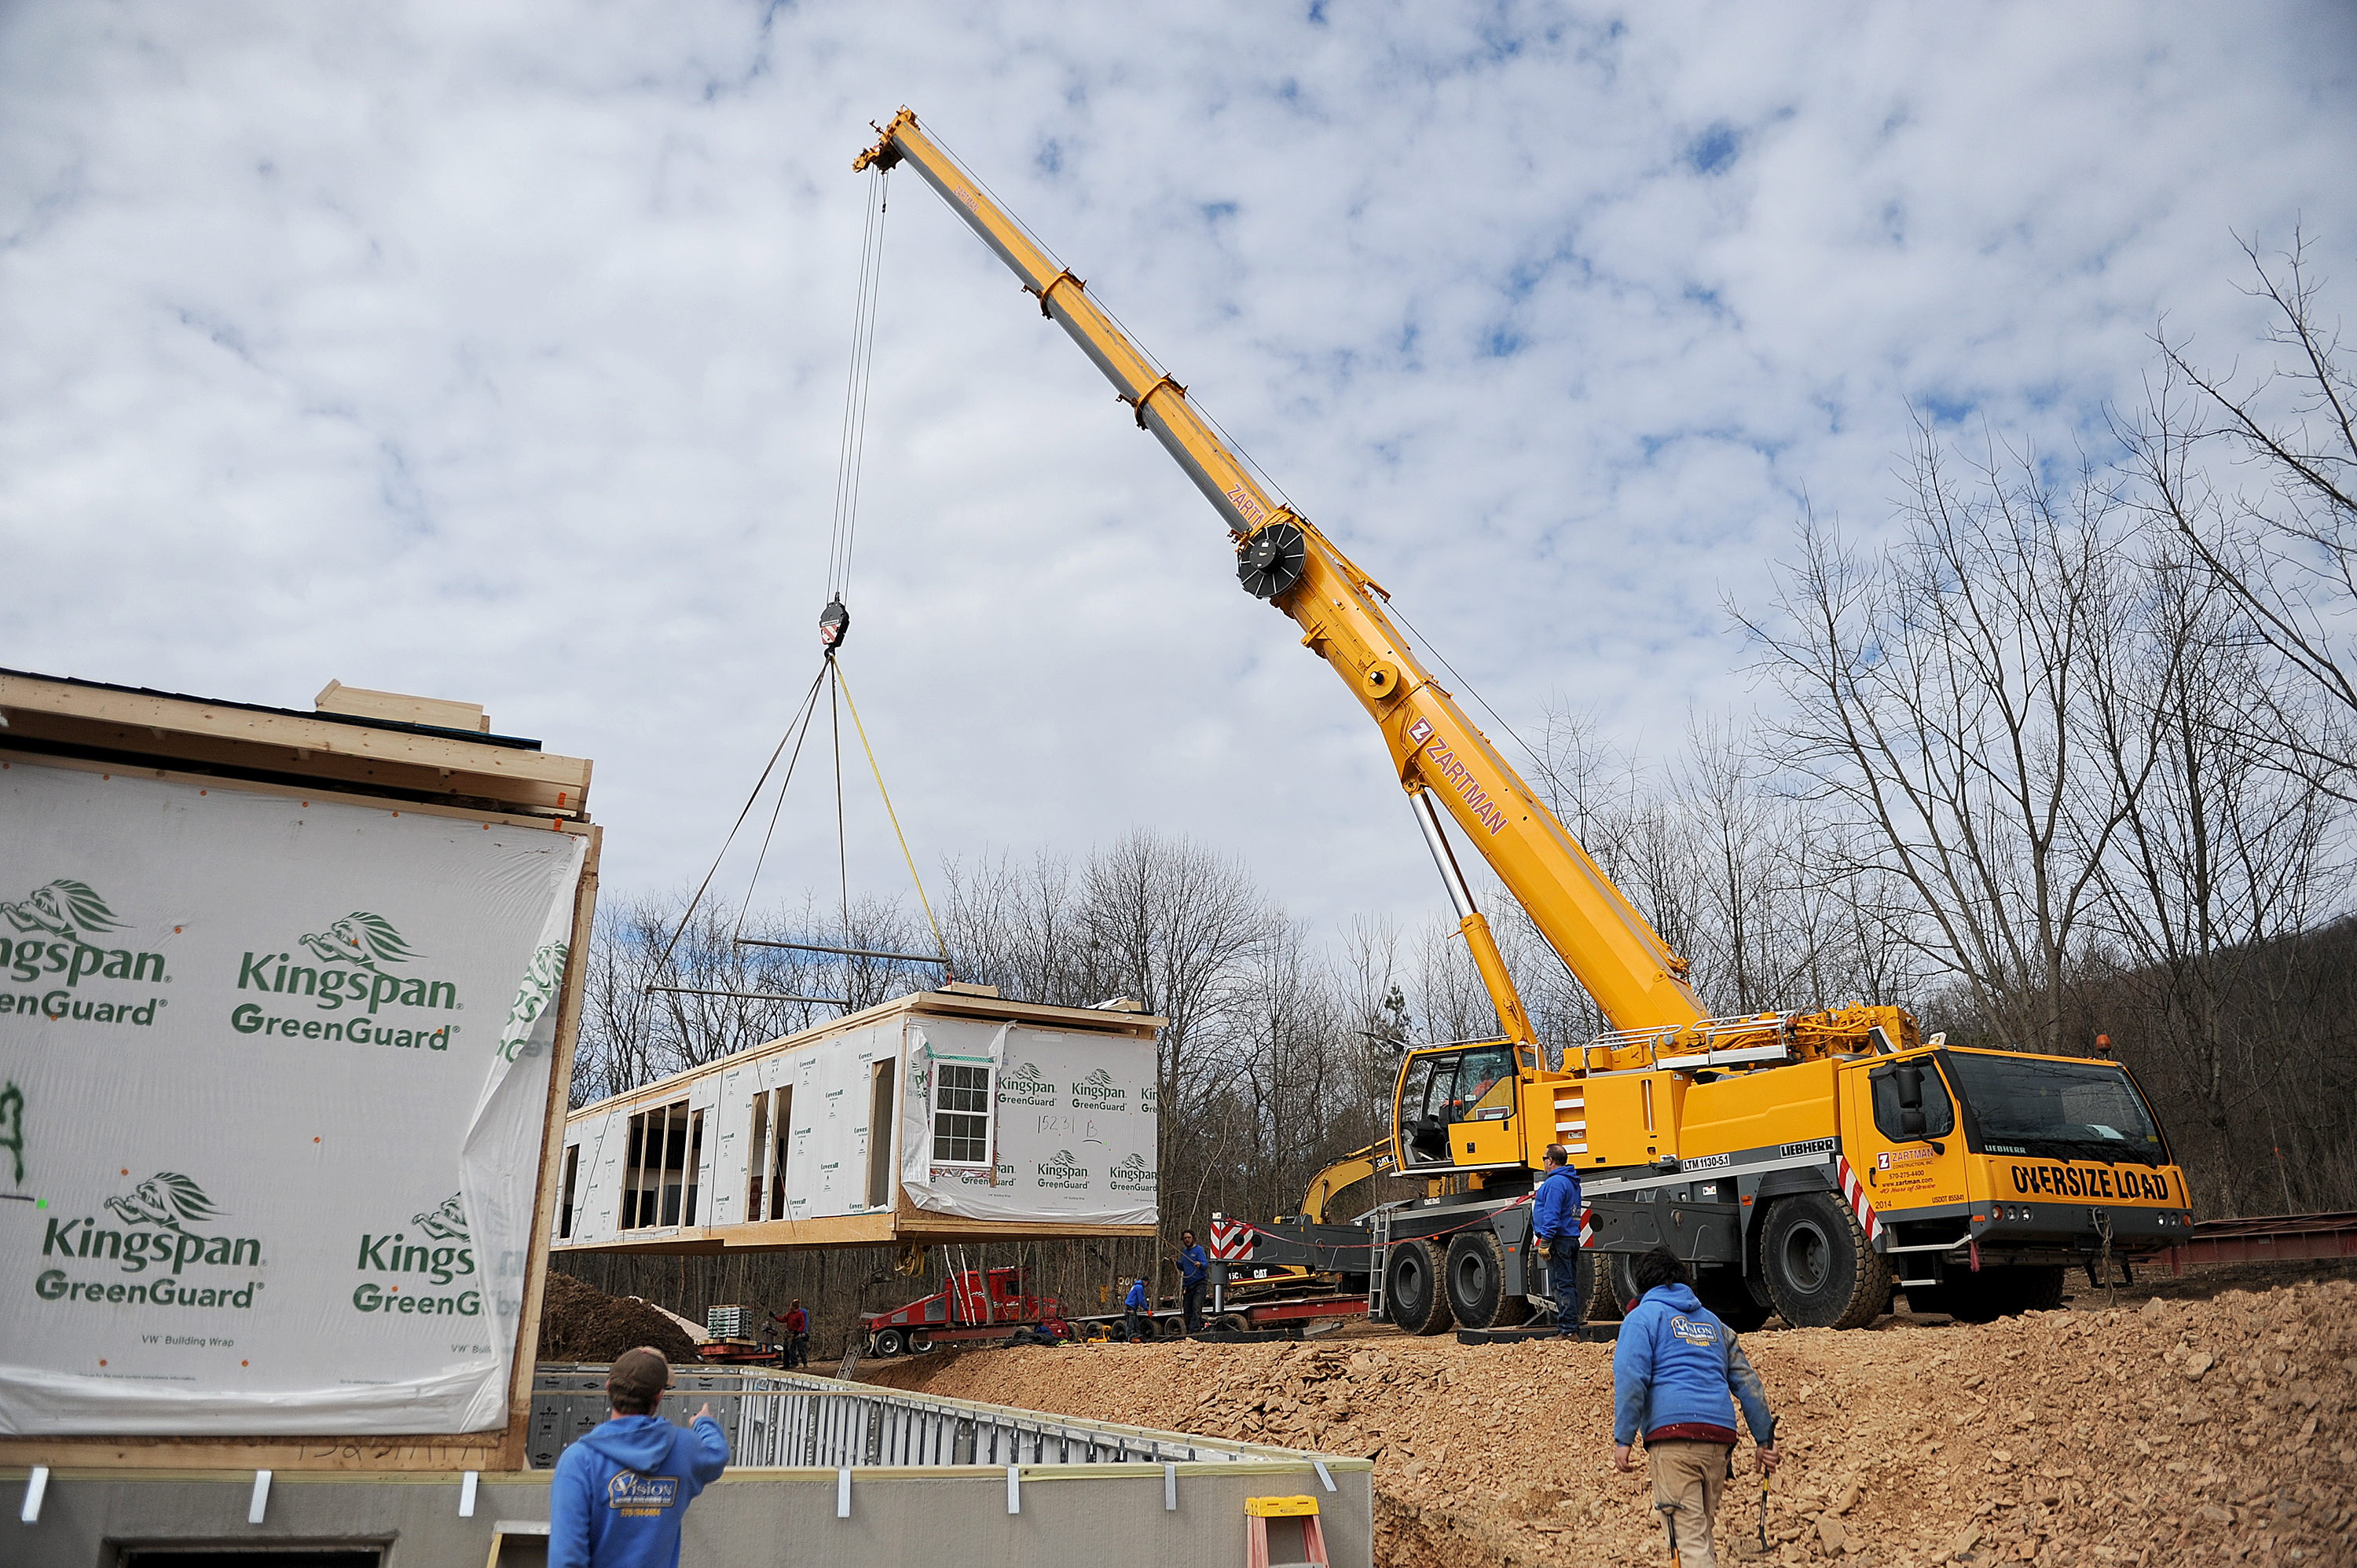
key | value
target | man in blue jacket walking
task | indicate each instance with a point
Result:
(1555, 1220)
(1677, 1376)
(1134, 1312)
(621, 1493)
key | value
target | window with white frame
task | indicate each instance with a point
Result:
(961, 1115)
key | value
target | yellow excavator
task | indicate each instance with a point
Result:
(1803, 1163)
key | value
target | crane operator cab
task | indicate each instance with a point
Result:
(1455, 1107)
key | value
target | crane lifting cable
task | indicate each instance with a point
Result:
(833, 628)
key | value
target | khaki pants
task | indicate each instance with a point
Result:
(1692, 1475)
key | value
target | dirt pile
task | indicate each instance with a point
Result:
(2212, 1430)
(578, 1324)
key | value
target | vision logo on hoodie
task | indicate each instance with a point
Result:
(641, 1497)
(1699, 1331)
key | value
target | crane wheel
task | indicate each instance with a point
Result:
(1601, 1294)
(890, 1342)
(1821, 1273)
(1477, 1282)
(1415, 1291)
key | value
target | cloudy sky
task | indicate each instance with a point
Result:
(495, 352)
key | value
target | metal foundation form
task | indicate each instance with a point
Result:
(848, 1473)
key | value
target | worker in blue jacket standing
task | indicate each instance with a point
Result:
(1555, 1220)
(1194, 1274)
(1677, 1376)
(621, 1493)
(1135, 1311)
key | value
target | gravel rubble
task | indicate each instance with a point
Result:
(2174, 1431)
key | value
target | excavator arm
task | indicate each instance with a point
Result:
(1445, 762)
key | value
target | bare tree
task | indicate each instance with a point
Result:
(1936, 696)
(2283, 546)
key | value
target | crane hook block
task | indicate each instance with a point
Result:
(834, 625)
(1270, 560)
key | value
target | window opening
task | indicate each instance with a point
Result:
(765, 1185)
(961, 1115)
(665, 1144)
(564, 1203)
(880, 1138)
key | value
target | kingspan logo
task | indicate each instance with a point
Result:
(56, 933)
(160, 1219)
(409, 1266)
(1099, 1093)
(1132, 1175)
(1024, 1086)
(356, 959)
(1061, 1171)
(540, 980)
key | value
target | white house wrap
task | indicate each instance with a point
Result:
(938, 1116)
(272, 1076)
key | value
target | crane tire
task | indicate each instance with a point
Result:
(1603, 1303)
(1820, 1270)
(1477, 1280)
(889, 1342)
(1415, 1291)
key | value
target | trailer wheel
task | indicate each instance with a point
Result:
(1477, 1280)
(1416, 1294)
(918, 1342)
(890, 1342)
(1234, 1323)
(1821, 1273)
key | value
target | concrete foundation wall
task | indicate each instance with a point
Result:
(930, 1517)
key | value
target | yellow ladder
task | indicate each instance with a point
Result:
(1258, 1511)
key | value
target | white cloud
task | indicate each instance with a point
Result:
(497, 354)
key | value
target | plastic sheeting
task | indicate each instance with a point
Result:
(275, 1074)
(1075, 1125)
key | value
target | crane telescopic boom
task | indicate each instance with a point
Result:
(1441, 755)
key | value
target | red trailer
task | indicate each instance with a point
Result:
(977, 1304)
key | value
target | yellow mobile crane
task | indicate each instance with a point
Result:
(1802, 1162)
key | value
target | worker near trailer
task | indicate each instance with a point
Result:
(1135, 1311)
(1555, 1220)
(793, 1327)
(1194, 1275)
(621, 1493)
(1677, 1378)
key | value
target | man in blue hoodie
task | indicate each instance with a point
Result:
(1135, 1312)
(1194, 1274)
(1555, 1220)
(1677, 1376)
(621, 1493)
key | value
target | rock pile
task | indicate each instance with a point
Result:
(2214, 1430)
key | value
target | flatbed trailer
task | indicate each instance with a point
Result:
(2267, 1238)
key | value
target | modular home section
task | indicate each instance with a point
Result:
(936, 1116)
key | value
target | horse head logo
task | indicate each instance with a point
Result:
(362, 939)
(447, 1223)
(165, 1199)
(64, 909)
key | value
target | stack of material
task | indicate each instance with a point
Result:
(730, 1322)
(2160, 1433)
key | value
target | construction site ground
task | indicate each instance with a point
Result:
(2201, 1419)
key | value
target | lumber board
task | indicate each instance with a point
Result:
(357, 753)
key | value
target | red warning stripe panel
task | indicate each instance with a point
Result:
(1588, 1227)
(1855, 1191)
(1231, 1240)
